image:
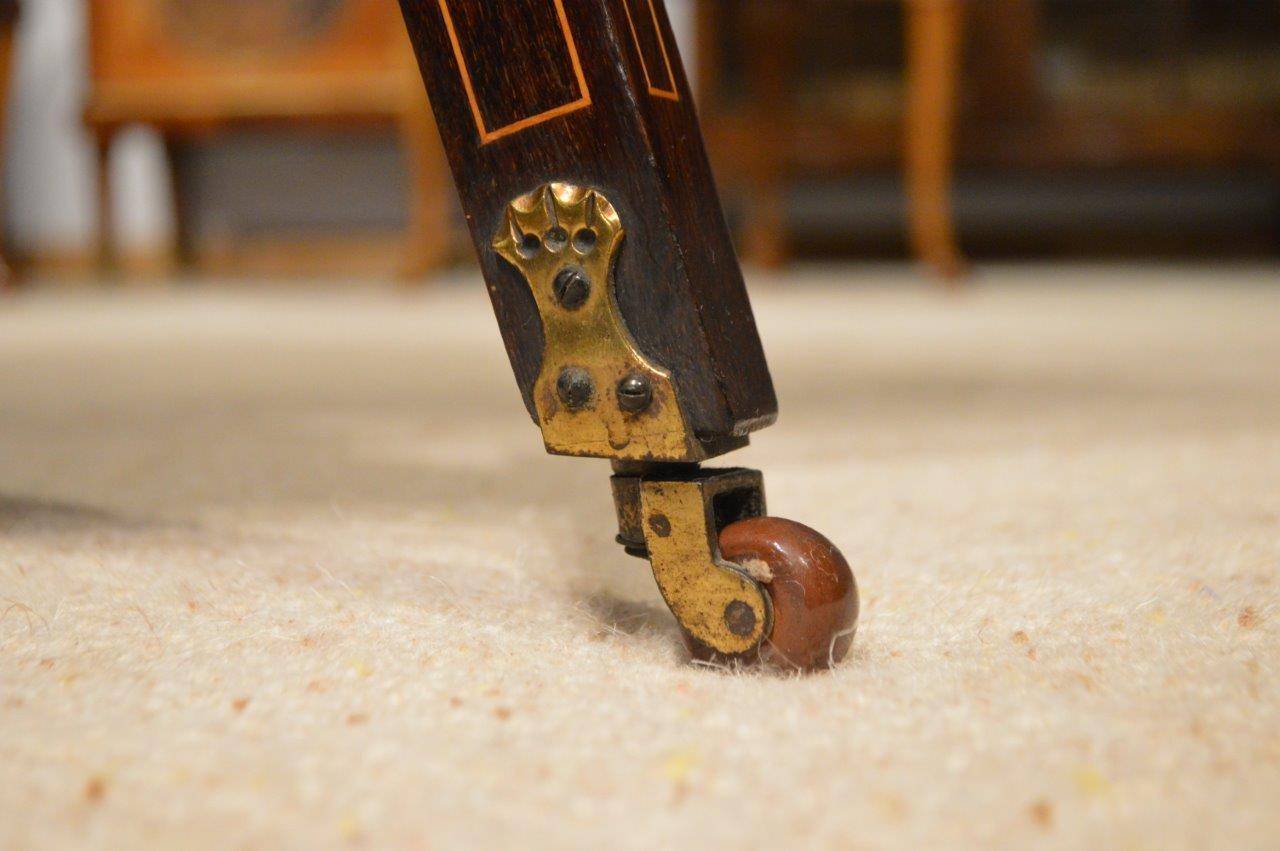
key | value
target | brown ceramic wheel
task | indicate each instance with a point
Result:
(814, 595)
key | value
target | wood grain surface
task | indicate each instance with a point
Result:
(593, 92)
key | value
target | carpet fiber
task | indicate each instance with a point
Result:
(290, 568)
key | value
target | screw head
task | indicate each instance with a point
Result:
(574, 387)
(635, 393)
(556, 239)
(571, 288)
(740, 618)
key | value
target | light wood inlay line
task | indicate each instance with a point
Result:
(487, 135)
(670, 94)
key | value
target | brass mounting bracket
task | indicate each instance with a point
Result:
(673, 516)
(596, 394)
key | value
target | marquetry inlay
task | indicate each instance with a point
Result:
(502, 98)
(655, 61)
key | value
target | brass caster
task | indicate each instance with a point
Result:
(745, 588)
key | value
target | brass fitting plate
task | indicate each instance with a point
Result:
(680, 517)
(596, 395)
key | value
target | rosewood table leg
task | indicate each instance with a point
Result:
(579, 161)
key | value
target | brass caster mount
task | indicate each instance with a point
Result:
(673, 517)
(744, 587)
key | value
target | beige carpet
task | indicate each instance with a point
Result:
(289, 569)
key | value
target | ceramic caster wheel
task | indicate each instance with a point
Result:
(814, 595)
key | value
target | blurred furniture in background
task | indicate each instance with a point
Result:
(932, 78)
(194, 69)
(800, 94)
(763, 125)
(8, 24)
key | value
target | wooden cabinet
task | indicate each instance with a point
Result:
(193, 68)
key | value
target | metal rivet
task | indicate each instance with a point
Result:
(584, 241)
(571, 288)
(529, 246)
(660, 525)
(635, 393)
(556, 239)
(574, 387)
(740, 618)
